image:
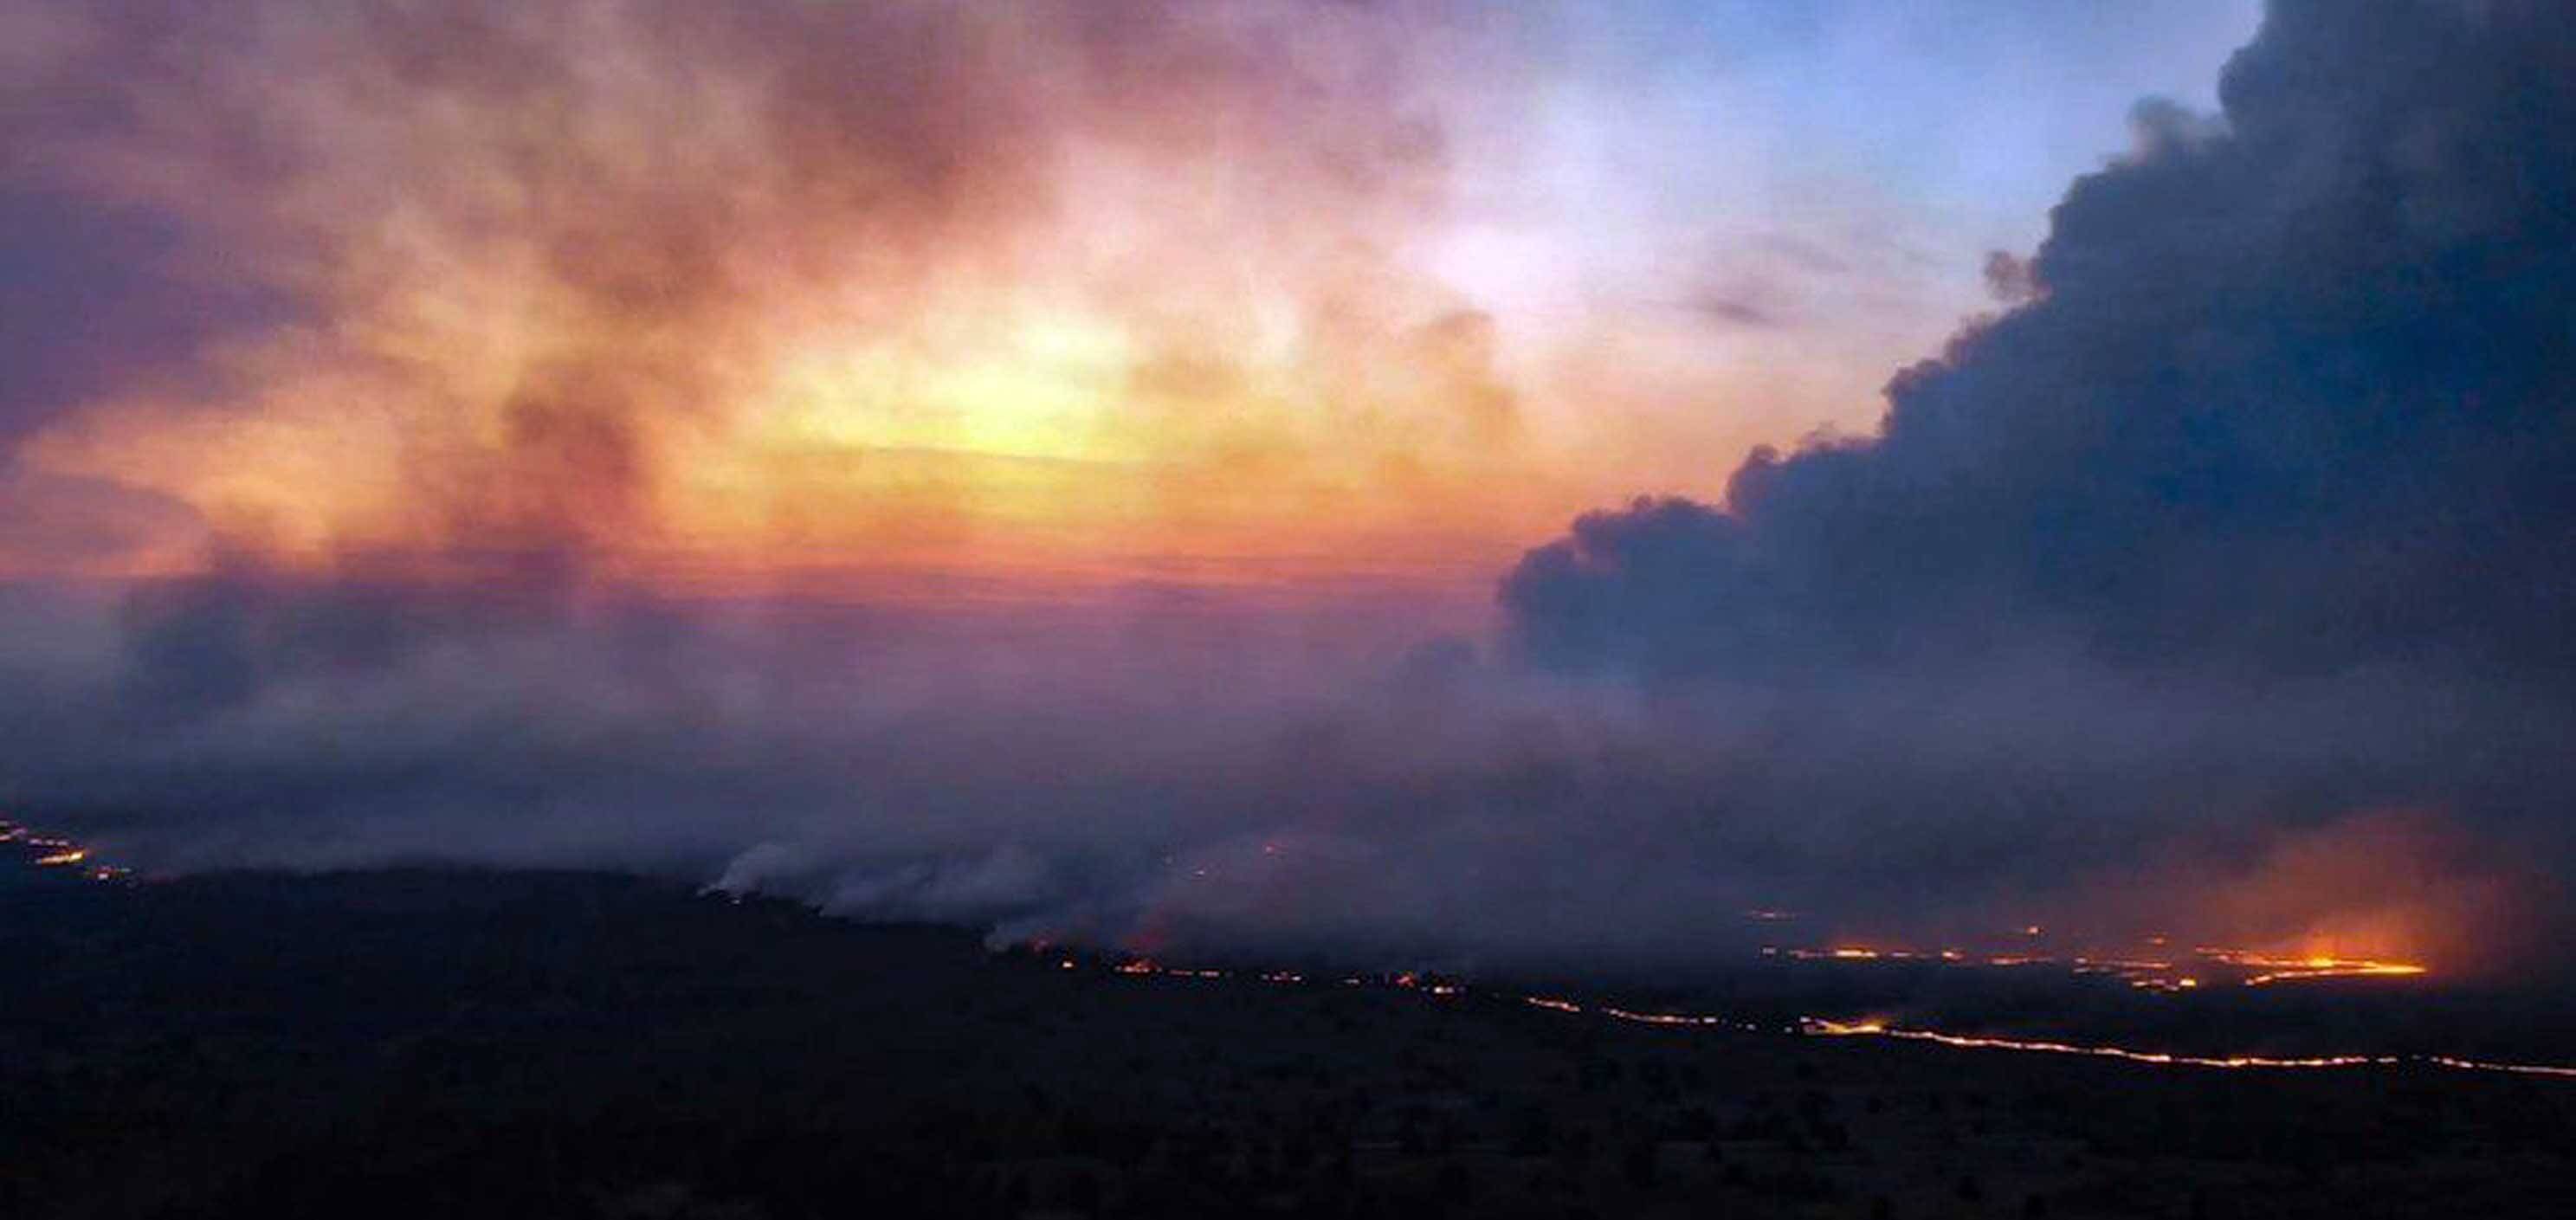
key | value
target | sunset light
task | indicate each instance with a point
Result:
(1168, 609)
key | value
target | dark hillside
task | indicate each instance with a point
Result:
(435, 1043)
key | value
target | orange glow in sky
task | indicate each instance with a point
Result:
(900, 299)
(1055, 317)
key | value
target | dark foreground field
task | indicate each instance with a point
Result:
(476, 1044)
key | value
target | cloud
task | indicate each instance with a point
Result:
(56, 525)
(2245, 525)
(652, 280)
(2293, 396)
(88, 294)
(2269, 452)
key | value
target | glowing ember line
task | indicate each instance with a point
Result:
(1659, 1018)
(2143, 973)
(2291, 969)
(2365, 970)
(1667, 1018)
(55, 851)
(1820, 1027)
(62, 852)
(2519, 1069)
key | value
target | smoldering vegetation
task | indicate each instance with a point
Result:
(1189, 779)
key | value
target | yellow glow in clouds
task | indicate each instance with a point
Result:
(1043, 297)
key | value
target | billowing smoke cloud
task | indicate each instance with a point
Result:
(716, 289)
(2297, 397)
(1176, 773)
(2253, 513)
(2228, 562)
(438, 389)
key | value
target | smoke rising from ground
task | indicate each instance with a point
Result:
(2228, 564)
(2257, 499)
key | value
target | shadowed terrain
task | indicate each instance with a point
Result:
(418, 1042)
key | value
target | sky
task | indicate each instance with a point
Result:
(1036, 304)
(1413, 477)
(1725, 224)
